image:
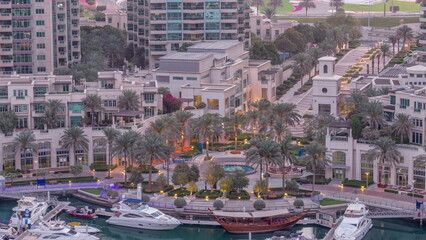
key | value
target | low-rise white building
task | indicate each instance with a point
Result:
(28, 97)
(267, 29)
(219, 74)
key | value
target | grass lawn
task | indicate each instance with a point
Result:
(330, 201)
(286, 8)
(403, 7)
(95, 191)
(375, 22)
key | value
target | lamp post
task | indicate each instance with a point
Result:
(366, 181)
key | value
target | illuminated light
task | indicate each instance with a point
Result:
(175, 195)
(161, 191)
(207, 198)
(239, 198)
(285, 194)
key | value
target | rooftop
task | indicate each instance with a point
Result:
(393, 72)
(417, 68)
(219, 45)
(189, 56)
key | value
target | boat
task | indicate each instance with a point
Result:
(60, 230)
(7, 232)
(58, 225)
(258, 221)
(83, 212)
(355, 224)
(136, 214)
(28, 211)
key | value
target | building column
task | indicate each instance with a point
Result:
(393, 175)
(410, 174)
(376, 171)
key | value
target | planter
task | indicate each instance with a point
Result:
(180, 210)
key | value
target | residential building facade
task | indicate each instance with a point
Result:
(422, 39)
(219, 74)
(29, 96)
(161, 26)
(267, 29)
(37, 36)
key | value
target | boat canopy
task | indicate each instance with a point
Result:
(257, 214)
(132, 200)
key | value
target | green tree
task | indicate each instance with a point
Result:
(314, 55)
(213, 172)
(306, 4)
(287, 157)
(356, 125)
(279, 130)
(273, 54)
(184, 47)
(337, 4)
(136, 176)
(373, 114)
(110, 135)
(307, 32)
(301, 66)
(194, 173)
(50, 116)
(315, 159)
(320, 31)
(262, 105)
(406, 33)
(93, 102)
(386, 52)
(208, 128)
(288, 113)
(385, 152)
(152, 148)
(161, 181)
(356, 101)
(235, 123)
(24, 144)
(402, 126)
(225, 184)
(181, 175)
(129, 100)
(269, 12)
(8, 122)
(76, 169)
(263, 152)
(75, 139)
(275, 3)
(192, 187)
(294, 37)
(394, 39)
(257, 3)
(284, 44)
(123, 145)
(253, 117)
(182, 119)
(239, 179)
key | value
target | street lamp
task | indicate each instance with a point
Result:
(366, 181)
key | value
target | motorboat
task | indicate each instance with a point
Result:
(7, 232)
(60, 230)
(61, 226)
(28, 211)
(83, 212)
(355, 224)
(136, 214)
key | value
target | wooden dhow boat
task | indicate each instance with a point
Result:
(258, 221)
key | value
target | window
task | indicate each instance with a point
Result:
(403, 103)
(62, 157)
(392, 100)
(3, 94)
(40, 34)
(417, 122)
(339, 158)
(4, 108)
(39, 107)
(198, 99)
(419, 106)
(76, 107)
(149, 98)
(40, 23)
(22, 123)
(21, 108)
(257, 22)
(148, 112)
(177, 78)
(41, 46)
(264, 93)
(258, 32)
(41, 69)
(76, 121)
(110, 103)
(41, 57)
(191, 78)
(39, 0)
(277, 32)
(411, 75)
(325, 69)
(213, 104)
(419, 75)
(65, 88)
(417, 138)
(205, 76)
(40, 11)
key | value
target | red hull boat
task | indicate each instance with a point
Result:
(82, 215)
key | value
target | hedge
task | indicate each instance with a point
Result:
(157, 189)
(415, 195)
(212, 194)
(102, 168)
(59, 180)
(144, 169)
(238, 194)
(391, 191)
(190, 154)
(356, 183)
(180, 192)
(270, 195)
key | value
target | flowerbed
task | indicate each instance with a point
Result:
(179, 192)
(238, 194)
(211, 194)
(356, 183)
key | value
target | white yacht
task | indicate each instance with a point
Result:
(28, 206)
(61, 226)
(60, 230)
(355, 223)
(7, 232)
(133, 213)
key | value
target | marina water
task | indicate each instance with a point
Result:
(382, 229)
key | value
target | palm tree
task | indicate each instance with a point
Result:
(275, 3)
(257, 3)
(338, 35)
(110, 134)
(50, 115)
(406, 33)
(253, 117)
(291, 117)
(208, 128)
(279, 130)
(269, 12)
(372, 63)
(235, 122)
(262, 105)
(301, 66)
(337, 4)
(124, 144)
(286, 148)
(267, 123)
(307, 4)
(182, 118)
(373, 114)
(393, 39)
(94, 103)
(356, 101)
(315, 158)
(386, 52)
(24, 143)
(385, 151)
(263, 152)
(152, 148)
(402, 126)
(315, 54)
(73, 139)
(129, 100)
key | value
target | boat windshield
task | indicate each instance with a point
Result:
(353, 214)
(72, 232)
(156, 214)
(348, 225)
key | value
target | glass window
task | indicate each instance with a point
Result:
(212, 15)
(212, 25)
(339, 158)
(76, 107)
(149, 97)
(213, 104)
(76, 121)
(174, 26)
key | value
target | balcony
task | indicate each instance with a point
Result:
(6, 39)
(423, 6)
(339, 139)
(7, 63)
(5, 4)
(5, 28)
(6, 51)
(158, 39)
(422, 18)
(422, 40)
(5, 16)
(417, 110)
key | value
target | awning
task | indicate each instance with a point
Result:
(128, 113)
(271, 213)
(339, 166)
(232, 214)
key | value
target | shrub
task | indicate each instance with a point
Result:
(179, 202)
(356, 183)
(291, 186)
(298, 203)
(394, 9)
(212, 194)
(145, 198)
(238, 194)
(391, 191)
(101, 8)
(201, 105)
(218, 204)
(260, 186)
(180, 192)
(414, 195)
(102, 168)
(189, 108)
(259, 204)
(161, 180)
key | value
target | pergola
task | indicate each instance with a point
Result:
(126, 114)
